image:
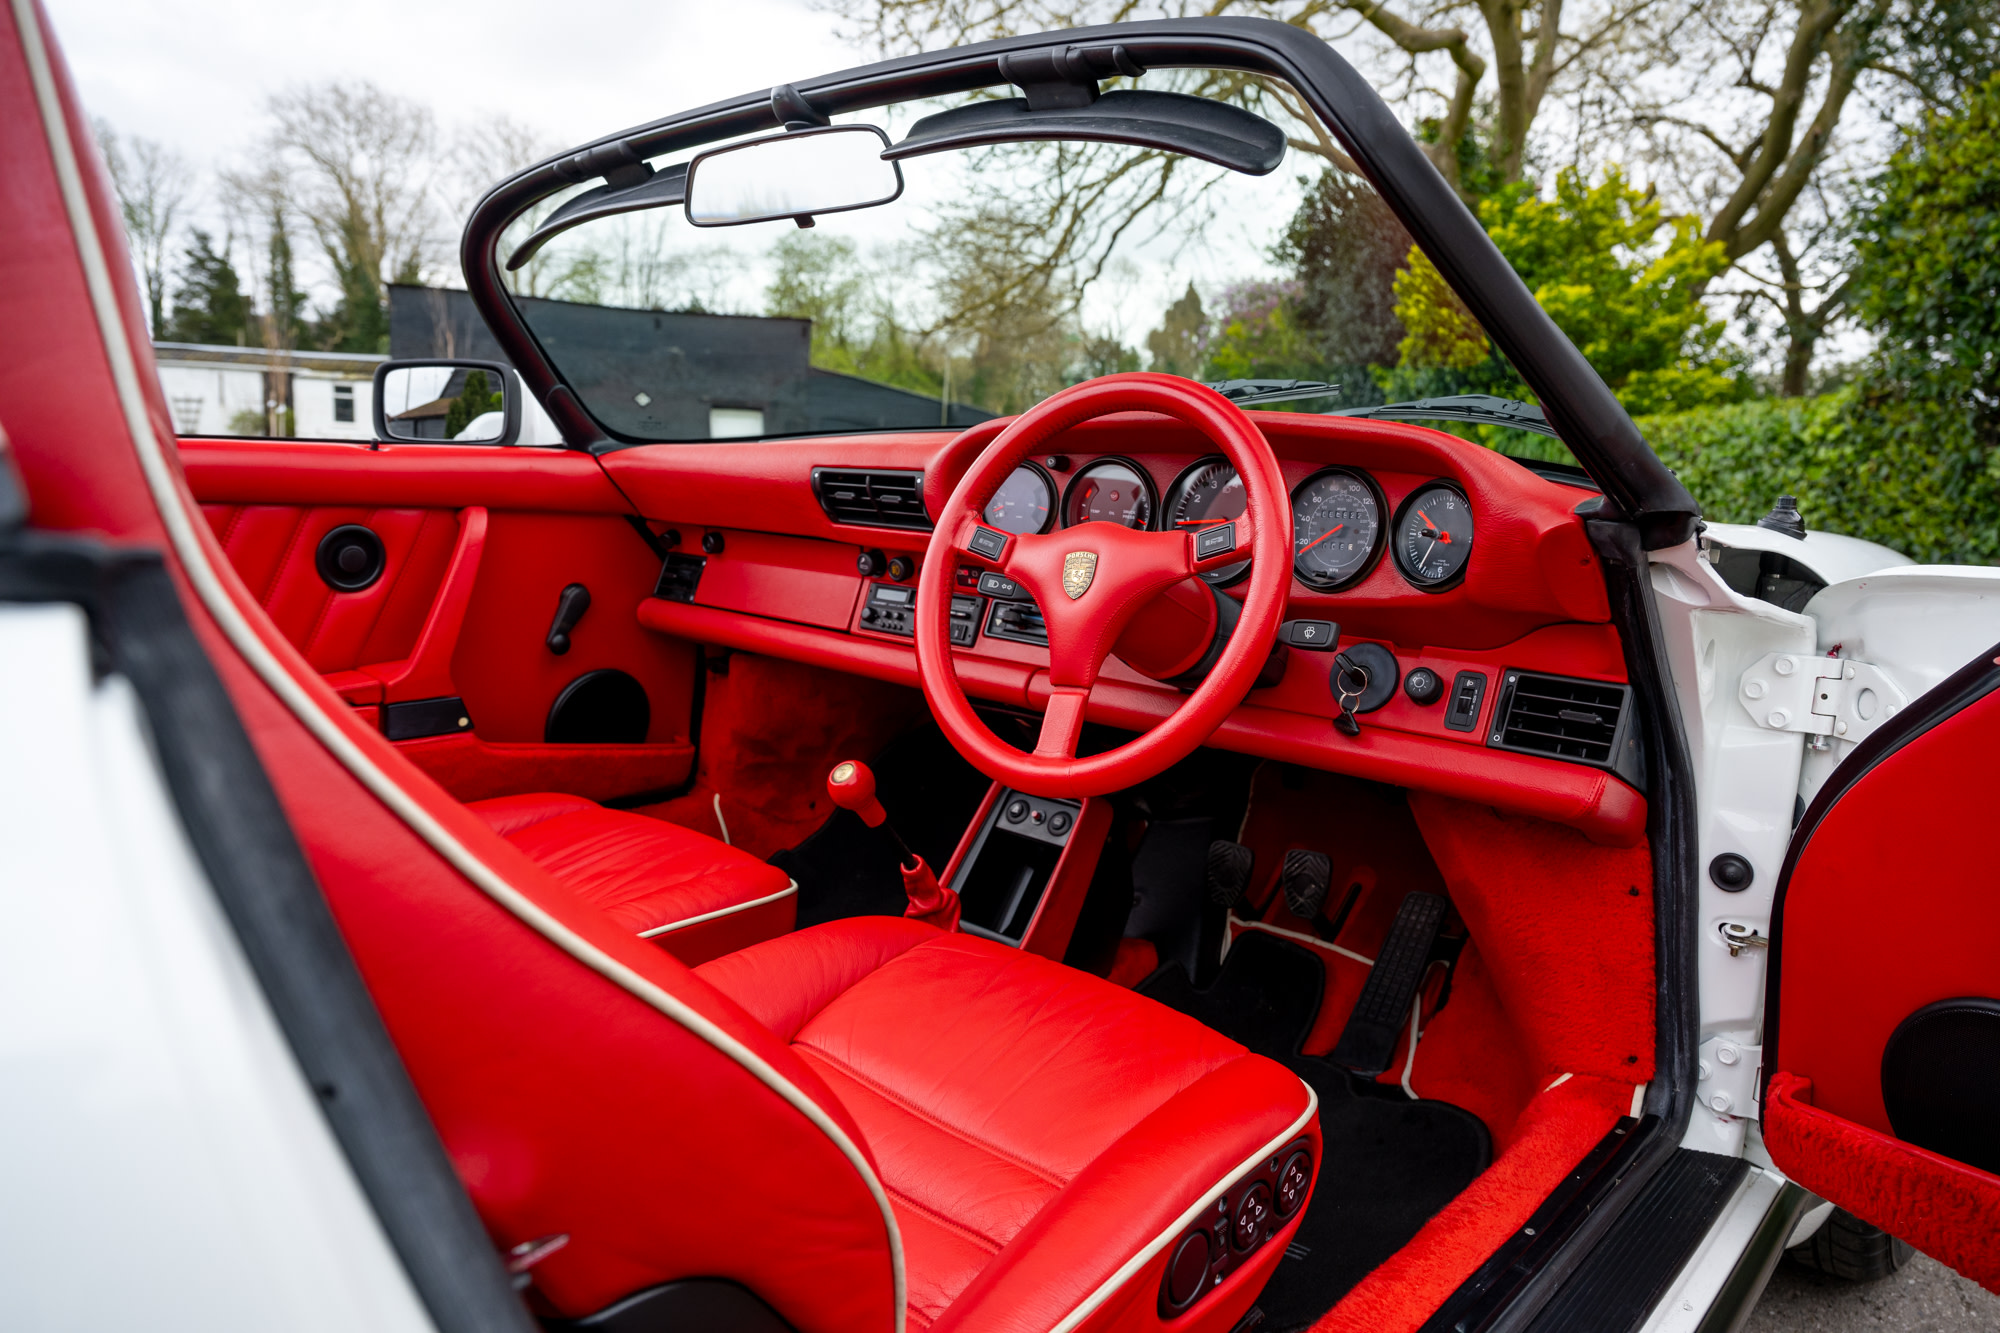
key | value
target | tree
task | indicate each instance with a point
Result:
(1502, 57)
(1594, 258)
(820, 278)
(1180, 345)
(1927, 241)
(475, 400)
(358, 163)
(209, 303)
(1346, 247)
(152, 183)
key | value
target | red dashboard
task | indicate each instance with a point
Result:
(778, 575)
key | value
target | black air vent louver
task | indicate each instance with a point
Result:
(1579, 720)
(872, 499)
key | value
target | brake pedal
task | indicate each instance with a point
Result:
(1368, 1043)
(1305, 878)
(1229, 865)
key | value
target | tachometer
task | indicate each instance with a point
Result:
(1023, 503)
(1210, 492)
(1336, 528)
(1110, 491)
(1434, 536)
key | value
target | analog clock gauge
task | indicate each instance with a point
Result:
(1433, 537)
(1208, 493)
(1336, 529)
(1023, 503)
(1110, 491)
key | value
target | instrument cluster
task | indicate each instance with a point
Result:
(1340, 521)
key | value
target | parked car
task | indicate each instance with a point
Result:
(1335, 874)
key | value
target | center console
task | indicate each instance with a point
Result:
(1024, 866)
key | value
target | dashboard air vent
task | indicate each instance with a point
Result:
(872, 499)
(1580, 720)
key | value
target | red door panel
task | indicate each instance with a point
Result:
(273, 548)
(1889, 907)
(549, 519)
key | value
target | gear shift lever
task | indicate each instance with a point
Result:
(851, 786)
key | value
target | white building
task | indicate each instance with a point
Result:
(230, 390)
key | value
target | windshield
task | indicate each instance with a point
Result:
(997, 276)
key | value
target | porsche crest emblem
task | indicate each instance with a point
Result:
(1079, 568)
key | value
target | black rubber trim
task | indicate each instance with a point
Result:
(1513, 1270)
(1939, 704)
(1630, 1269)
(1584, 412)
(253, 862)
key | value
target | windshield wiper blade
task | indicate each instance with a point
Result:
(1243, 393)
(1480, 408)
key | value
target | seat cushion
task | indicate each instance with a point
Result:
(1035, 1126)
(694, 895)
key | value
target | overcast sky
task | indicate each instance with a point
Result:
(194, 73)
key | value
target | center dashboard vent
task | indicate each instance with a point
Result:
(872, 499)
(1583, 721)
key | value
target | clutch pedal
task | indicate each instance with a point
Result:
(1368, 1042)
(1229, 866)
(1305, 879)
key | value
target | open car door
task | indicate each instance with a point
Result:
(1883, 1025)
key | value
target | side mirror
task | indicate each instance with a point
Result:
(446, 402)
(792, 175)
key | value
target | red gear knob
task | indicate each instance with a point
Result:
(851, 786)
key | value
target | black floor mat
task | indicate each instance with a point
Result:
(1390, 1163)
(844, 868)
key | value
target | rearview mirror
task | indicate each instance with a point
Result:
(446, 402)
(793, 175)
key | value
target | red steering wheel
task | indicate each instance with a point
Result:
(1090, 580)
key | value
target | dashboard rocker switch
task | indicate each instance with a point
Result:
(1319, 636)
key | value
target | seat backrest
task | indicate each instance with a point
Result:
(584, 1083)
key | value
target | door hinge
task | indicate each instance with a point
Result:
(1726, 1077)
(1820, 696)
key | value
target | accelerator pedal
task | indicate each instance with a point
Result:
(1368, 1042)
(1229, 866)
(1305, 879)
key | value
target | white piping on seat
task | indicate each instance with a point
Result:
(1131, 1267)
(230, 619)
(672, 926)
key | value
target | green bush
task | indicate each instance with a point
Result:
(1913, 475)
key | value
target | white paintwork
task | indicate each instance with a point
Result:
(1917, 623)
(1828, 554)
(163, 1162)
(1821, 696)
(1746, 777)
(1695, 1287)
(1726, 1077)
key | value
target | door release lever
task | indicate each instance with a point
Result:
(570, 606)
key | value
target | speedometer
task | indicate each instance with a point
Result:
(1110, 490)
(1210, 492)
(1336, 528)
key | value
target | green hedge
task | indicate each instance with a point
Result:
(1917, 477)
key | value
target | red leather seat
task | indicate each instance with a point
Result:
(1039, 1131)
(697, 897)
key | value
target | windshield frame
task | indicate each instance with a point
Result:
(1580, 407)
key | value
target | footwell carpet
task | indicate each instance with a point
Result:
(1390, 1164)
